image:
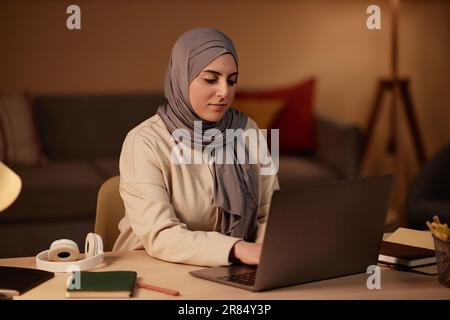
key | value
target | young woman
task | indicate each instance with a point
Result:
(205, 213)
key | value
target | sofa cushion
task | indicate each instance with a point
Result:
(63, 189)
(19, 143)
(263, 112)
(296, 171)
(90, 126)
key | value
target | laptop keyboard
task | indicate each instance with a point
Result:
(245, 278)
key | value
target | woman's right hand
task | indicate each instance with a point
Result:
(246, 252)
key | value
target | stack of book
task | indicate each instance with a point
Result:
(408, 248)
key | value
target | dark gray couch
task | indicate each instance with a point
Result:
(429, 194)
(82, 137)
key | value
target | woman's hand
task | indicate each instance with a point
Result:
(246, 252)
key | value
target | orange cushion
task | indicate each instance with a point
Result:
(263, 112)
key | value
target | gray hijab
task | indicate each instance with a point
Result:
(234, 184)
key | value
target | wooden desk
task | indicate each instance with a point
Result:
(394, 284)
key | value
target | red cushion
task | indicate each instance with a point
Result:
(295, 120)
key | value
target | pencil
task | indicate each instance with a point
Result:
(159, 289)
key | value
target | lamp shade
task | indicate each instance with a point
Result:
(10, 185)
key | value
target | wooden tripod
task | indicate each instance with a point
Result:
(398, 87)
(401, 86)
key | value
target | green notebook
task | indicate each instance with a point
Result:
(102, 284)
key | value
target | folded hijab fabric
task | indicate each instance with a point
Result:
(234, 184)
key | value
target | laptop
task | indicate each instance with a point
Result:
(314, 233)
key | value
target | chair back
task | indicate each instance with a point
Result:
(110, 210)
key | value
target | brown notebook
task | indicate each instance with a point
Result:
(405, 255)
(16, 281)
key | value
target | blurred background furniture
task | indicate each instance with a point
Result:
(429, 195)
(401, 115)
(82, 135)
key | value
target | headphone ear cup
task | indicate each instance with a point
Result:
(99, 243)
(63, 250)
(93, 245)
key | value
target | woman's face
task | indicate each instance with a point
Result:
(212, 92)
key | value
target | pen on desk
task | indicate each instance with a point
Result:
(159, 289)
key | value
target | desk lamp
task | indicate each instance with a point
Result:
(10, 186)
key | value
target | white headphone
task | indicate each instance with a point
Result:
(63, 255)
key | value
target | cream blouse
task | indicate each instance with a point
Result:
(169, 207)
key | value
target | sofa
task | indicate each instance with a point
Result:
(81, 137)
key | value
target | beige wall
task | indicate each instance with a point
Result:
(126, 46)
